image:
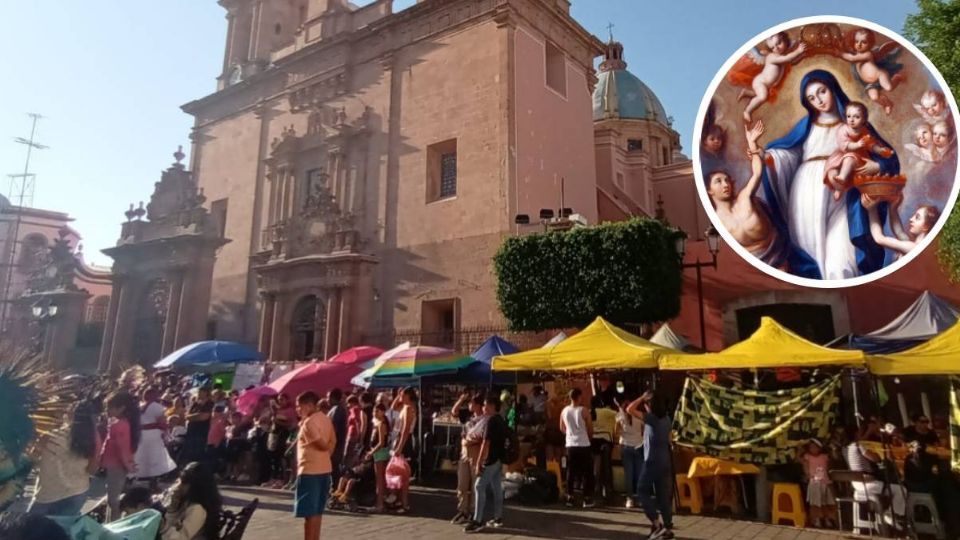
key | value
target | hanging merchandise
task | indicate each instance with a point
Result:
(752, 426)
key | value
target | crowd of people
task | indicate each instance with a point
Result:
(358, 450)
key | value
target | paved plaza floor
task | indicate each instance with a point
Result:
(432, 509)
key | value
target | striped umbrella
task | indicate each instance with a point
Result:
(420, 361)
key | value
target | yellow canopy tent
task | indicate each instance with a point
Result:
(771, 346)
(939, 356)
(598, 346)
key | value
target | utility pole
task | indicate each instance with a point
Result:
(21, 188)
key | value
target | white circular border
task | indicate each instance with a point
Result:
(708, 204)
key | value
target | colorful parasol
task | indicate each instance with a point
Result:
(420, 361)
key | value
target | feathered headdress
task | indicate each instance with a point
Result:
(33, 402)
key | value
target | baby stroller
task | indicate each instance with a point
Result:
(362, 491)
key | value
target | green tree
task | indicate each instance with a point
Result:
(935, 29)
(626, 272)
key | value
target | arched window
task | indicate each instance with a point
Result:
(306, 328)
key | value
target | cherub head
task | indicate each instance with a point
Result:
(857, 115)
(864, 39)
(922, 221)
(933, 103)
(714, 139)
(720, 187)
(923, 135)
(942, 134)
(779, 42)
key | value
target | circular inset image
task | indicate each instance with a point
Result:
(827, 151)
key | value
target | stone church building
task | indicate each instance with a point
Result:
(356, 169)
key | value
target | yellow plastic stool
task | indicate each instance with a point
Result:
(688, 491)
(796, 514)
(554, 467)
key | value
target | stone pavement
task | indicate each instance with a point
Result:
(432, 509)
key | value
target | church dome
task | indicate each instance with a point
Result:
(620, 94)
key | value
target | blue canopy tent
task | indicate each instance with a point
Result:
(925, 318)
(207, 353)
(479, 372)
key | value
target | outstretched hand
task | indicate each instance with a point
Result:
(754, 133)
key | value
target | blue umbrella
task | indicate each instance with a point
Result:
(203, 353)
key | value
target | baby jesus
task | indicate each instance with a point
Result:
(741, 213)
(854, 145)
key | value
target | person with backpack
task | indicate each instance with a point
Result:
(489, 468)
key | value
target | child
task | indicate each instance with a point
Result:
(768, 78)
(923, 148)
(874, 66)
(353, 446)
(118, 448)
(854, 144)
(739, 212)
(932, 106)
(918, 227)
(819, 491)
(351, 476)
(217, 434)
(942, 137)
(236, 445)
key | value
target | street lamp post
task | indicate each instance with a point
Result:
(713, 245)
(43, 312)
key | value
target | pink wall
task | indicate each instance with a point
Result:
(554, 135)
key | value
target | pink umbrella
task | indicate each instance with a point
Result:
(356, 355)
(319, 377)
(248, 400)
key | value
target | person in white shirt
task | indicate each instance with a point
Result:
(577, 428)
(193, 506)
(630, 432)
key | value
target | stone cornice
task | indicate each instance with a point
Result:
(383, 37)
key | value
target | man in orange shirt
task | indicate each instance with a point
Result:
(315, 443)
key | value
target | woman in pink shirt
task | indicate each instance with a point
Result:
(116, 457)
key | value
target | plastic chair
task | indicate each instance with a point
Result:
(794, 511)
(689, 494)
(874, 509)
(925, 500)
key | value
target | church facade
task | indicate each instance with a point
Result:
(367, 164)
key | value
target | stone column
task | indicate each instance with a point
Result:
(330, 333)
(171, 322)
(126, 308)
(277, 333)
(345, 337)
(109, 326)
(188, 304)
(319, 328)
(268, 304)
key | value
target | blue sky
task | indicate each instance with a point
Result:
(110, 75)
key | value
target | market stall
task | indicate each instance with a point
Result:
(927, 317)
(600, 345)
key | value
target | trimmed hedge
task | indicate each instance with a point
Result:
(626, 272)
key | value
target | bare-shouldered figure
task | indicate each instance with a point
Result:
(740, 213)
